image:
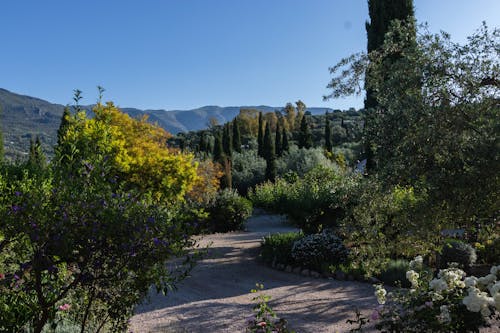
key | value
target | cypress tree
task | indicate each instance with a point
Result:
(2, 149)
(203, 142)
(260, 137)
(285, 144)
(328, 134)
(218, 151)
(236, 136)
(278, 144)
(36, 156)
(305, 136)
(269, 154)
(226, 140)
(381, 12)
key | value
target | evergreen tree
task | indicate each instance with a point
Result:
(218, 151)
(285, 143)
(227, 145)
(305, 136)
(328, 134)
(236, 136)
(269, 154)
(36, 156)
(203, 142)
(381, 12)
(2, 151)
(260, 137)
(278, 140)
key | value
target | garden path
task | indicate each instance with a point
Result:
(217, 298)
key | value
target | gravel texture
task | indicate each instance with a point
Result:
(217, 298)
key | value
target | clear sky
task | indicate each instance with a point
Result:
(182, 54)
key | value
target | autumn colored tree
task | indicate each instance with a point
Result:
(137, 149)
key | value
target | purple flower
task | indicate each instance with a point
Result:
(17, 193)
(156, 241)
(15, 208)
(375, 315)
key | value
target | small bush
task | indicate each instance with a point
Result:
(488, 252)
(459, 252)
(228, 211)
(395, 273)
(278, 248)
(317, 250)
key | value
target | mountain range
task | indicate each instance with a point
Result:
(25, 117)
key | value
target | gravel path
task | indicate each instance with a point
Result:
(217, 298)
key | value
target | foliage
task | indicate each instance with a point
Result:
(302, 160)
(136, 149)
(277, 248)
(318, 200)
(489, 251)
(248, 170)
(394, 273)
(269, 154)
(451, 302)
(265, 319)
(83, 241)
(228, 211)
(316, 251)
(458, 252)
(436, 119)
(305, 137)
(207, 183)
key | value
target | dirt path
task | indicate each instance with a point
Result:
(216, 298)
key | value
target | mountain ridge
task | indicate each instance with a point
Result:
(24, 117)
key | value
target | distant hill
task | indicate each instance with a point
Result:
(24, 117)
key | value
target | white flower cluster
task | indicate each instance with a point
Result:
(444, 316)
(448, 279)
(380, 293)
(325, 245)
(478, 299)
(413, 276)
(417, 263)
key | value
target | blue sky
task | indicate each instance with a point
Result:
(182, 54)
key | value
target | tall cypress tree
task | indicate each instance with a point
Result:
(236, 136)
(381, 12)
(305, 136)
(278, 144)
(218, 151)
(2, 151)
(226, 140)
(260, 137)
(269, 154)
(328, 134)
(284, 140)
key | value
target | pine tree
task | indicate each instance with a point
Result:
(285, 143)
(260, 137)
(269, 154)
(236, 136)
(305, 136)
(381, 12)
(227, 145)
(328, 134)
(278, 144)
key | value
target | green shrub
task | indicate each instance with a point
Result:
(319, 250)
(456, 251)
(278, 248)
(394, 273)
(228, 211)
(317, 201)
(488, 252)
(248, 170)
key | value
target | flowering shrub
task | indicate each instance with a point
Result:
(456, 251)
(317, 250)
(451, 302)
